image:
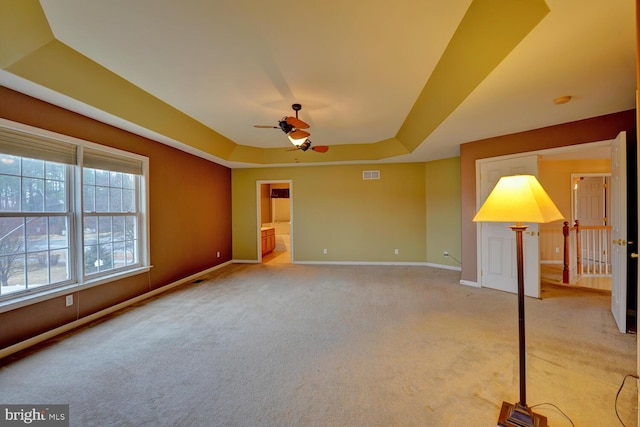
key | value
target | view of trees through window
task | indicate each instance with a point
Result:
(37, 217)
(34, 223)
(110, 234)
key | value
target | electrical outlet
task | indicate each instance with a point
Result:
(395, 251)
(446, 253)
(557, 250)
(69, 300)
(218, 254)
(324, 251)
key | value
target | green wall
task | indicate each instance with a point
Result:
(443, 211)
(357, 220)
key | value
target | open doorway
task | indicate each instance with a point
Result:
(556, 167)
(274, 218)
(591, 206)
(621, 215)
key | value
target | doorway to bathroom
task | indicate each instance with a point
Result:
(275, 221)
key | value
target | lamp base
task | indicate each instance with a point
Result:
(520, 416)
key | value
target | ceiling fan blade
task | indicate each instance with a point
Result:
(292, 149)
(299, 134)
(266, 127)
(320, 148)
(297, 123)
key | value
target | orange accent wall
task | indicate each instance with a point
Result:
(579, 132)
(189, 214)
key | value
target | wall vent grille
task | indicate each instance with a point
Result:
(370, 174)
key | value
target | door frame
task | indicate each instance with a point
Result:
(259, 183)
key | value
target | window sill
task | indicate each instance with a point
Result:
(39, 296)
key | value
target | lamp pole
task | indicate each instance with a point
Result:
(520, 415)
(518, 228)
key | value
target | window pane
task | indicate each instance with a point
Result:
(102, 199)
(37, 234)
(102, 177)
(90, 229)
(115, 200)
(89, 198)
(32, 195)
(131, 240)
(104, 229)
(58, 232)
(115, 179)
(131, 254)
(118, 229)
(56, 197)
(128, 181)
(55, 171)
(10, 195)
(105, 257)
(118, 255)
(37, 269)
(9, 165)
(59, 266)
(11, 236)
(88, 176)
(12, 261)
(33, 168)
(12, 274)
(128, 201)
(130, 228)
(44, 264)
(90, 259)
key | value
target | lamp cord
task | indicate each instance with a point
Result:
(560, 410)
(615, 403)
(454, 258)
(618, 394)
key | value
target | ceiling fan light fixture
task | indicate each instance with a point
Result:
(292, 127)
(296, 141)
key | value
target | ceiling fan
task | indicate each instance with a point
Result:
(293, 126)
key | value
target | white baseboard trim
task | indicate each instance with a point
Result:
(419, 264)
(444, 266)
(414, 264)
(470, 283)
(90, 318)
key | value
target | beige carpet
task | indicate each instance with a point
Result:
(301, 345)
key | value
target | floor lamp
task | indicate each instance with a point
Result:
(519, 198)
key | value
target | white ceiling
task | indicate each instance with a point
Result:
(357, 68)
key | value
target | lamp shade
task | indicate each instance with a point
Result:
(518, 198)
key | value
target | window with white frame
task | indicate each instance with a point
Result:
(71, 212)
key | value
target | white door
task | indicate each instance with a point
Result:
(590, 197)
(498, 269)
(619, 231)
(591, 201)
